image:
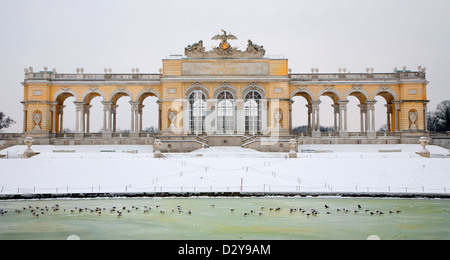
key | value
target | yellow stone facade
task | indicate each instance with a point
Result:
(268, 78)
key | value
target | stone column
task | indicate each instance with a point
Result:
(240, 116)
(264, 116)
(363, 111)
(113, 118)
(290, 116)
(309, 117)
(397, 115)
(388, 117)
(87, 118)
(79, 123)
(61, 118)
(343, 113)
(107, 106)
(134, 115)
(25, 111)
(316, 118)
(425, 118)
(371, 132)
(336, 114)
(54, 115)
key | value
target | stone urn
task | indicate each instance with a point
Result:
(29, 142)
(293, 145)
(424, 141)
(29, 153)
(156, 146)
(278, 115)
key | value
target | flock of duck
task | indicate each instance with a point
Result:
(314, 212)
(37, 211)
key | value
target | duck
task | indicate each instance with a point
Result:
(326, 206)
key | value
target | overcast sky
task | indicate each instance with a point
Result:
(125, 34)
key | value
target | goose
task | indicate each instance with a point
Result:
(232, 210)
(326, 206)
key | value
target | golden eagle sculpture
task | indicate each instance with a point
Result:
(224, 45)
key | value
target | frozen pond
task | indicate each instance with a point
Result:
(213, 218)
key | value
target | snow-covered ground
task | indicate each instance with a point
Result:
(132, 168)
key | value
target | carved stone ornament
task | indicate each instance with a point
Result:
(37, 118)
(172, 118)
(278, 115)
(413, 118)
(224, 50)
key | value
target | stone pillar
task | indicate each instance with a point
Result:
(79, 123)
(264, 116)
(425, 118)
(397, 115)
(343, 113)
(134, 116)
(53, 116)
(186, 117)
(61, 118)
(140, 109)
(388, 117)
(309, 117)
(86, 118)
(371, 132)
(240, 116)
(316, 118)
(336, 114)
(107, 107)
(25, 111)
(113, 118)
(290, 116)
(363, 111)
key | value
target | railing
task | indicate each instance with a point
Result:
(357, 76)
(91, 77)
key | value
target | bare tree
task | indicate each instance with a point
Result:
(5, 122)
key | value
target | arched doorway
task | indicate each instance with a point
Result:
(225, 112)
(253, 112)
(197, 111)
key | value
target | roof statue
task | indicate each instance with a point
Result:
(224, 45)
(224, 50)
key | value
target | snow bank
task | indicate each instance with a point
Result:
(349, 168)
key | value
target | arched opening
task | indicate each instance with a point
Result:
(197, 111)
(120, 116)
(225, 112)
(149, 114)
(91, 113)
(253, 112)
(357, 112)
(65, 121)
(301, 112)
(330, 117)
(384, 112)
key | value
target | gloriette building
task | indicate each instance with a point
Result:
(225, 96)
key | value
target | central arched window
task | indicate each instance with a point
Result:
(197, 109)
(225, 111)
(253, 115)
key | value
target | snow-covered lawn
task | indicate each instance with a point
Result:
(132, 168)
